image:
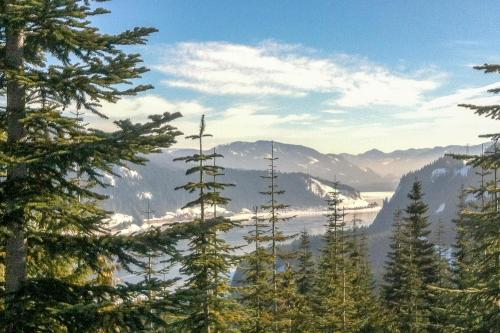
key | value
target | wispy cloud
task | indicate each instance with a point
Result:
(221, 68)
(447, 106)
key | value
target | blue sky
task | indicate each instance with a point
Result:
(339, 76)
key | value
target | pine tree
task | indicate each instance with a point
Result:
(414, 263)
(484, 290)
(57, 252)
(257, 295)
(207, 306)
(274, 209)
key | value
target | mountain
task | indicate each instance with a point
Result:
(156, 181)
(441, 182)
(391, 166)
(292, 158)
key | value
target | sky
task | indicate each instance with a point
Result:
(337, 76)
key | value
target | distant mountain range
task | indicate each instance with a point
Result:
(373, 170)
(300, 166)
(156, 183)
(392, 166)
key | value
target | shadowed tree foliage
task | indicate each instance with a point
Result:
(479, 238)
(57, 253)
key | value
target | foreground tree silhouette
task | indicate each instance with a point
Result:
(480, 239)
(204, 297)
(53, 239)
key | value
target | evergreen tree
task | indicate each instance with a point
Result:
(462, 316)
(304, 277)
(484, 289)
(207, 306)
(329, 305)
(256, 290)
(57, 252)
(274, 209)
(442, 310)
(414, 262)
(365, 310)
(392, 288)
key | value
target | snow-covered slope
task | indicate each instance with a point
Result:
(156, 183)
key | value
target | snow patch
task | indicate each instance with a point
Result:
(441, 208)
(110, 179)
(439, 172)
(145, 195)
(119, 220)
(463, 171)
(322, 190)
(129, 173)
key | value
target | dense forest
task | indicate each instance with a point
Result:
(58, 259)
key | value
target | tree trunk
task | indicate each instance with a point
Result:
(15, 256)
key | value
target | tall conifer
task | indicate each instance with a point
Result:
(257, 293)
(274, 210)
(53, 59)
(205, 299)
(305, 278)
(414, 265)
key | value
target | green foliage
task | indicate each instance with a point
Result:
(274, 210)
(477, 270)
(256, 291)
(58, 255)
(304, 277)
(411, 268)
(343, 291)
(205, 295)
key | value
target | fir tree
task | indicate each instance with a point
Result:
(441, 312)
(256, 291)
(57, 252)
(329, 305)
(304, 277)
(415, 264)
(205, 294)
(274, 209)
(484, 290)
(392, 288)
(462, 316)
(365, 312)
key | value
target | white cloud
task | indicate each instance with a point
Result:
(222, 68)
(138, 108)
(447, 106)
